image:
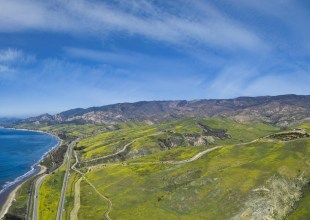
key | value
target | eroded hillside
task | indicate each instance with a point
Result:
(278, 110)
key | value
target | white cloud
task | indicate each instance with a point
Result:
(151, 21)
(11, 60)
(286, 22)
(9, 56)
(5, 69)
(246, 80)
(232, 81)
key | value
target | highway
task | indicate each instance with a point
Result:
(36, 197)
(65, 181)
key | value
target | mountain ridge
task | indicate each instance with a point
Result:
(280, 110)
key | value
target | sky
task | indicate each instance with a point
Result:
(57, 55)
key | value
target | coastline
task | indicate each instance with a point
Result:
(9, 201)
(38, 131)
(9, 193)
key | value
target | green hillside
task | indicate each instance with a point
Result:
(212, 168)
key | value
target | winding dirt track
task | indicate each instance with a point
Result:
(77, 200)
(106, 214)
(77, 193)
(122, 150)
(74, 212)
(111, 155)
(192, 159)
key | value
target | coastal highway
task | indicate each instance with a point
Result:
(36, 197)
(65, 181)
(41, 179)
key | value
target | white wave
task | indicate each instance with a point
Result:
(18, 179)
(32, 170)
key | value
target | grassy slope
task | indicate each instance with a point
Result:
(218, 183)
(302, 211)
(71, 130)
(49, 194)
(216, 186)
(147, 144)
(240, 132)
(92, 205)
(107, 143)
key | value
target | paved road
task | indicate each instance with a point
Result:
(36, 197)
(65, 181)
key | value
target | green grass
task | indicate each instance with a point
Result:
(304, 126)
(49, 194)
(92, 205)
(176, 154)
(216, 186)
(240, 132)
(70, 130)
(301, 211)
(107, 143)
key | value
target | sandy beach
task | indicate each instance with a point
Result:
(9, 201)
(12, 194)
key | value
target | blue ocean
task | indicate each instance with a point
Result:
(19, 151)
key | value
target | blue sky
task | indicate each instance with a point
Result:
(61, 54)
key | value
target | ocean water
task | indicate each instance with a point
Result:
(19, 151)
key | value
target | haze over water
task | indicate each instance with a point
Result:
(19, 151)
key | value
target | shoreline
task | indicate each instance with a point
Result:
(9, 193)
(11, 197)
(59, 143)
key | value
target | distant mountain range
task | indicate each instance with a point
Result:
(8, 121)
(279, 110)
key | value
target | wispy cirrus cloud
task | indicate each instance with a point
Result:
(12, 55)
(280, 22)
(92, 52)
(5, 69)
(176, 26)
(248, 80)
(11, 59)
